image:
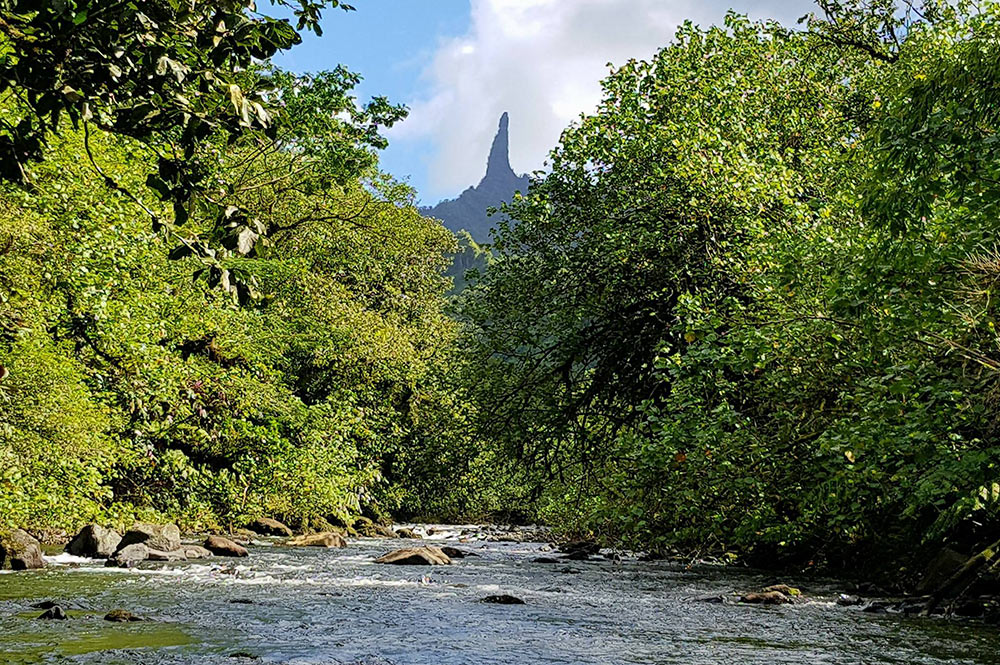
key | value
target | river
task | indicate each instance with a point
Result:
(316, 606)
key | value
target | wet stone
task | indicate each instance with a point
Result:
(54, 612)
(502, 599)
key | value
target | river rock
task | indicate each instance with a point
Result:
(162, 537)
(121, 616)
(881, 606)
(328, 539)
(196, 552)
(53, 613)
(783, 588)
(416, 556)
(267, 526)
(221, 546)
(365, 527)
(455, 553)
(577, 547)
(95, 542)
(408, 534)
(545, 559)
(160, 555)
(766, 598)
(20, 551)
(714, 598)
(502, 599)
(128, 556)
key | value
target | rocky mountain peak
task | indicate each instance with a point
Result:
(498, 165)
(468, 211)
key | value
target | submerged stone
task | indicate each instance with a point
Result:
(502, 599)
(766, 598)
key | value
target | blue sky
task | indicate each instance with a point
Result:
(390, 43)
(458, 64)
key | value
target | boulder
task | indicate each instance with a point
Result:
(128, 556)
(196, 552)
(54, 612)
(455, 553)
(160, 555)
(368, 529)
(19, 551)
(328, 539)
(224, 547)
(766, 598)
(408, 534)
(266, 526)
(162, 537)
(94, 542)
(121, 616)
(416, 556)
(502, 599)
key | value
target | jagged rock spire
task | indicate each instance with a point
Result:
(498, 166)
(469, 211)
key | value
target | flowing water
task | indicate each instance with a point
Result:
(319, 606)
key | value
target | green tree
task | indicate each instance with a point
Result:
(180, 78)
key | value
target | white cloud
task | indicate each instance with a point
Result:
(541, 60)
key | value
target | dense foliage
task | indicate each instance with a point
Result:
(179, 78)
(751, 308)
(129, 387)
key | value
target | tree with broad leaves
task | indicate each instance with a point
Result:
(177, 75)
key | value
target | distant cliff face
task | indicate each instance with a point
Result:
(468, 211)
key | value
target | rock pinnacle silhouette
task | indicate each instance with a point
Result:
(498, 165)
(468, 211)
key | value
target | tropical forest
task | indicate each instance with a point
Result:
(719, 382)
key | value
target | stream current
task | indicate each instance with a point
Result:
(306, 606)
